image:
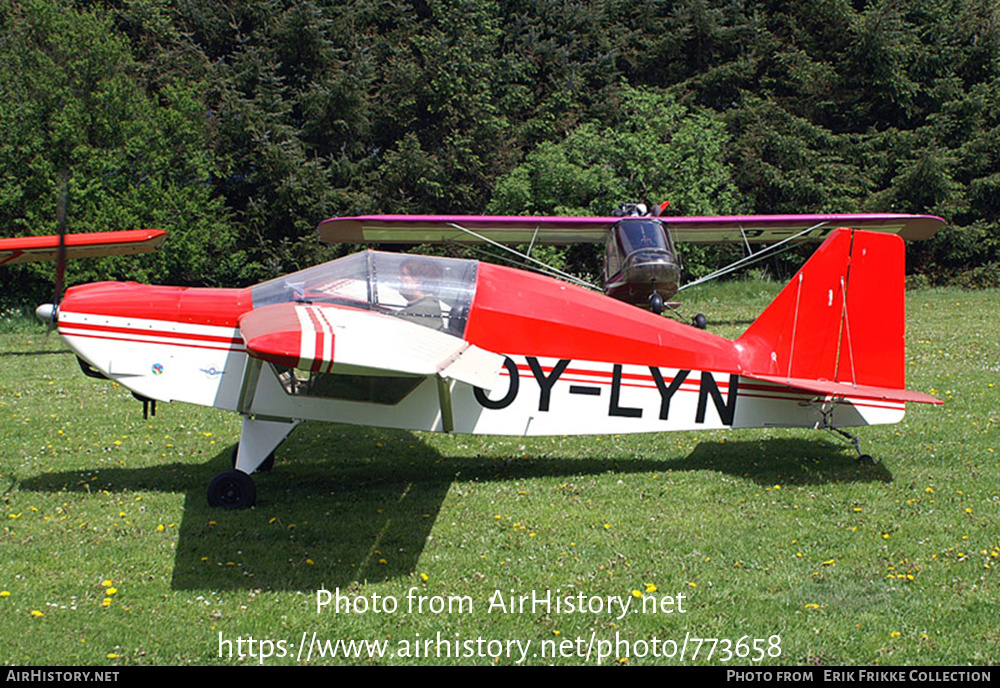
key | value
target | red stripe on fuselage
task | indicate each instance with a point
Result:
(69, 327)
(190, 345)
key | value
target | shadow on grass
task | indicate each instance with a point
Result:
(788, 461)
(341, 507)
(39, 352)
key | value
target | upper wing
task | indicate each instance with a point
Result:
(323, 338)
(517, 229)
(33, 248)
(767, 228)
(429, 229)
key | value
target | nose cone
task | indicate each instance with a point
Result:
(46, 313)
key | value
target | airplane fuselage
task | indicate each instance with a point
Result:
(574, 362)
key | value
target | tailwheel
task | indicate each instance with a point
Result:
(700, 321)
(232, 489)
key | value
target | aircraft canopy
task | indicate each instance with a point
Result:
(429, 291)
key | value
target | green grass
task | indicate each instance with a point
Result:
(765, 532)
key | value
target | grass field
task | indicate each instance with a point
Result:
(109, 553)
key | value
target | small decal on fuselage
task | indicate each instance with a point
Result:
(667, 387)
(157, 369)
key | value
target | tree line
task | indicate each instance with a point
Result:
(238, 125)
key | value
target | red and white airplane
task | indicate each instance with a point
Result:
(449, 345)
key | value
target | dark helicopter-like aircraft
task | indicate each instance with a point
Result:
(641, 263)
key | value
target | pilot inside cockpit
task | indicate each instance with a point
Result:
(418, 278)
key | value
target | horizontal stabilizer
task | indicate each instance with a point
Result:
(841, 389)
(91, 245)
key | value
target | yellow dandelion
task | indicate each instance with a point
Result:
(310, 562)
(110, 591)
(812, 605)
(159, 528)
(828, 562)
(4, 593)
(37, 614)
(382, 561)
(424, 577)
(106, 602)
(895, 634)
(112, 655)
(650, 588)
(636, 593)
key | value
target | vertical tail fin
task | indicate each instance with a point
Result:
(840, 320)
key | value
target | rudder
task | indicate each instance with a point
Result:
(840, 319)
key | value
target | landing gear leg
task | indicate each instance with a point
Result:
(853, 440)
(235, 489)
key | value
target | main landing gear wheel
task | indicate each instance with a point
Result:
(232, 490)
(866, 460)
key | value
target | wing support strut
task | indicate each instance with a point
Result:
(753, 258)
(542, 266)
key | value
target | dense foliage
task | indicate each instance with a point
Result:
(238, 125)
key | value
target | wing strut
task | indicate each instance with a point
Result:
(559, 273)
(753, 258)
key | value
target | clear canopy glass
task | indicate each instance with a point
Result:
(638, 234)
(429, 291)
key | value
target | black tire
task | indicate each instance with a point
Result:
(232, 490)
(866, 460)
(656, 303)
(700, 321)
